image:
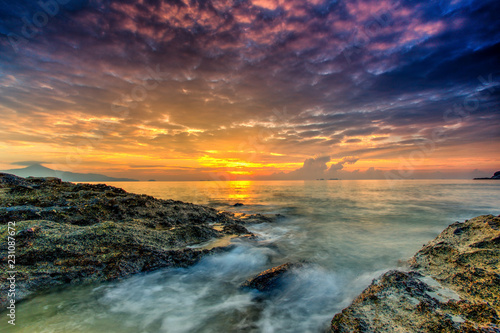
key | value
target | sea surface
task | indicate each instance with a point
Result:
(347, 232)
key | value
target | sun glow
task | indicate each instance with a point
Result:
(239, 190)
(236, 166)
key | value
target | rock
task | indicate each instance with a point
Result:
(259, 218)
(193, 234)
(8, 180)
(82, 233)
(270, 279)
(235, 229)
(238, 204)
(496, 175)
(39, 180)
(453, 286)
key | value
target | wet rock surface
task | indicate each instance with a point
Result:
(70, 233)
(453, 286)
(270, 279)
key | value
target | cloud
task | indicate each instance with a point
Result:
(312, 168)
(334, 168)
(197, 76)
(147, 166)
(316, 168)
(28, 163)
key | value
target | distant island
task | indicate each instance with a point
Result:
(38, 170)
(495, 176)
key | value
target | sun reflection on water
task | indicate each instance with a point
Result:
(239, 190)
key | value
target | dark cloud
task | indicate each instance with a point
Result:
(209, 75)
(353, 141)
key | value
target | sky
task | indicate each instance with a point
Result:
(251, 89)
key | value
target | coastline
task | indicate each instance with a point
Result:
(75, 234)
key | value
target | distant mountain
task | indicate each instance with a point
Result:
(38, 170)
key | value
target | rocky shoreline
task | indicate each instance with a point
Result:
(69, 234)
(453, 285)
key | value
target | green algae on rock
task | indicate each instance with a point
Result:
(453, 286)
(70, 233)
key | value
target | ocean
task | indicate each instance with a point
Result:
(346, 232)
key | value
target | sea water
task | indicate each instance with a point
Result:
(346, 232)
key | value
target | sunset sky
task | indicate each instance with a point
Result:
(251, 89)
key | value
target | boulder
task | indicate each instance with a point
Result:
(453, 286)
(259, 218)
(8, 180)
(270, 279)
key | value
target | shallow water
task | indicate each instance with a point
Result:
(349, 232)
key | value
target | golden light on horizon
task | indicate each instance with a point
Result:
(258, 105)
